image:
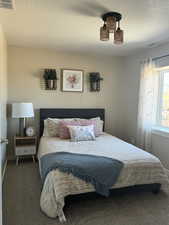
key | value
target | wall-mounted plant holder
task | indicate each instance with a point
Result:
(50, 78)
(95, 79)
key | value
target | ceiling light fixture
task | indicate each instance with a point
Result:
(110, 21)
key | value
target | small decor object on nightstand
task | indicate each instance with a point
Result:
(25, 147)
(30, 131)
(72, 80)
(50, 77)
(95, 79)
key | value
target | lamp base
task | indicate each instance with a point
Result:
(22, 127)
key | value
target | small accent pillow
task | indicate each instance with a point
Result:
(64, 130)
(82, 133)
(98, 125)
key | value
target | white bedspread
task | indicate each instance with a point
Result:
(140, 167)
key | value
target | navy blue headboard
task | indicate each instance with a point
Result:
(69, 113)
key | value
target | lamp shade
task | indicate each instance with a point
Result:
(104, 33)
(22, 110)
(118, 36)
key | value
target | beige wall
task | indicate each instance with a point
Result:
(130, 97)
(3, 93)
(25, 66)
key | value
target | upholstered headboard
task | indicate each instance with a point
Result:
(69, 113)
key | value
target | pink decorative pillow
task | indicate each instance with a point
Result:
(64, 130)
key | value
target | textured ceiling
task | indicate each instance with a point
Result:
(73, 25)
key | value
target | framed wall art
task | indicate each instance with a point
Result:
(72, 80)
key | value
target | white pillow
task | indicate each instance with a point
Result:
(51, 126)
(98, 129)
(82, 133)
(45, 130)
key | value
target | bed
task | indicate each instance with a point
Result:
(141, 169)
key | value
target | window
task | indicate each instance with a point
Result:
(163, 101)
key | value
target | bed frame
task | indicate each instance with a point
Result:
(88, 113)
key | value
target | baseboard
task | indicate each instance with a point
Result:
(4, 170)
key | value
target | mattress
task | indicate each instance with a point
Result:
(140, 167)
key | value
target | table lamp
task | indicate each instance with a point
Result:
(22, 111)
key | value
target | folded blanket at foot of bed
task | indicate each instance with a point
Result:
(101, 172)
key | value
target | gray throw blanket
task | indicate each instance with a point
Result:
(100, 171)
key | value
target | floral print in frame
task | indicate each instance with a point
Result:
(72, 80)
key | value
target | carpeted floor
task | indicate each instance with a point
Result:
(21, 193)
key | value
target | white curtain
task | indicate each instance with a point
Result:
(147, 107)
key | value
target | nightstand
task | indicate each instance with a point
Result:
(25, 147)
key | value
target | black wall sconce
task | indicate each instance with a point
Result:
(50, 77)
(95, 79)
